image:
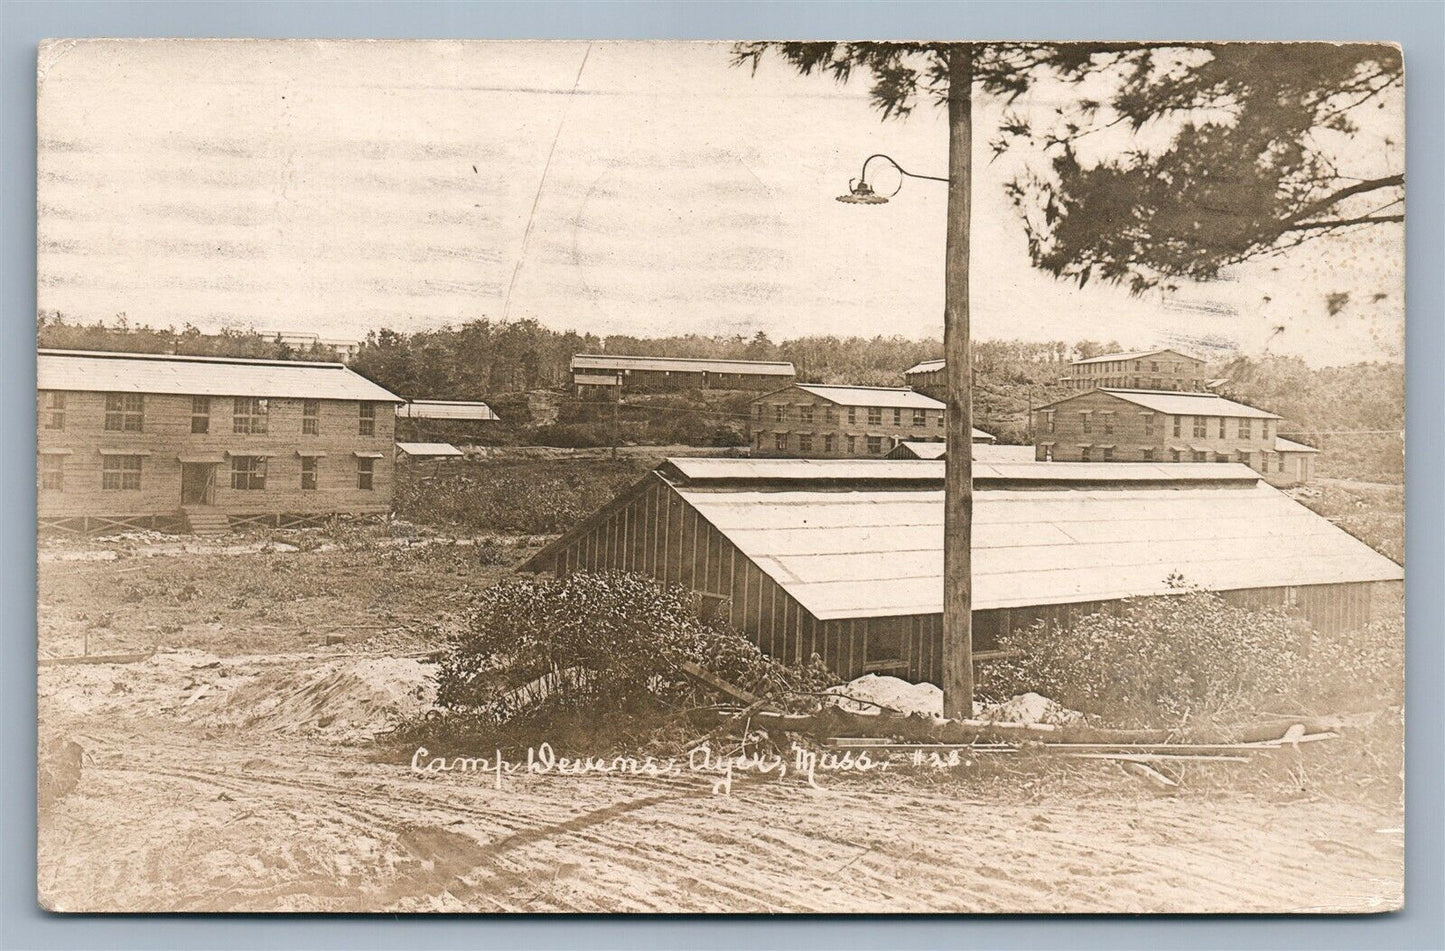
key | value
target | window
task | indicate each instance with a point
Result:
(780, 441)
(248, 415)
(778, 414)
(1178, 420)
(1201, 456)
(1108, 423)
(897, 416)
(940, 420)
(1175, 455)
(200, 414)
(1088, 422)
(1201, 426)
(920, 417)
(1153, 366)
(805, 414)
(124, 412)
(1244, 458)
(120, 472)
(1108, 453)
(1148, 424)
(830, 443)
(1265, 427)
(875, 445)
(310, 418)
(805, 442)
(1222, 457)
(1244, 432)
(1280, 464)
(1049, 423)
(365, 473)
(52, 472)
(54, 414)
(852, 414)
(308, 473)
(368, 419)
(852, 445)
(1048, 452)
(1083, 453)
(248, 473)
(1147, 455)
(1221, 427)
(875, 416)
(830, 415)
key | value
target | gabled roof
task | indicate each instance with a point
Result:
(607, 361)
(984, 450)
(1177, 403)
(870, 544)
(97, 371)
(445, 409)
(927, 366)
(910, 449)
(1134, 355)
(1289, 445)
(887, 397)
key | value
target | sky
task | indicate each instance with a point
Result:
(336, 187)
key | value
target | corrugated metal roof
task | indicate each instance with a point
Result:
(878, 552)
(600, 361)
(888, 397)
(702, 469)
(1134, 355)
(445, 409)
(985, 452)
(106, 372)
(1289, 445)
(437, 449)
(1177, 403)
(926, 366)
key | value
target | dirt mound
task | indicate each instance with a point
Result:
(350, 698)
(869, 693)
(1028, 708)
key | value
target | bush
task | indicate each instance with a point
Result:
(1185, 658)
(601, 643)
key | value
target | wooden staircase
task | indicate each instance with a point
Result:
(207, 522)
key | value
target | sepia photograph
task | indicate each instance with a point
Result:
(669, 477)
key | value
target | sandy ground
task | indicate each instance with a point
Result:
(225, 779)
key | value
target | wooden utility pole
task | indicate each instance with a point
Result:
(958, 465)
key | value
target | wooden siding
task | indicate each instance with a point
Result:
(167, 437)
(828, 418)
(1129, 438)
(651, 530)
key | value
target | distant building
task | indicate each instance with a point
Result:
(422, 420)
(844, 558)
(606, 375)
(818, 421)
(300, 340)
(198, 443)
(928, 377)
(983, 451)
(1138, 370)
(1162, 426)
(1293, 462)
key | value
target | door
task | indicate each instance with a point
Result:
(198, 483)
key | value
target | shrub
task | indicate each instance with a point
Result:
(601, 643)
(1159, 661)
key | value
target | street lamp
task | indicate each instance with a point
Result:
(861, 193)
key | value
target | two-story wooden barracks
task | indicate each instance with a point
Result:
(816, 421)
(199, 443)
(1167, 426)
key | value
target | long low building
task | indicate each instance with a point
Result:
(606, 374)
(845, 558)
(130, 440)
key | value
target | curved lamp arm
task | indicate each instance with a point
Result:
(863, 175)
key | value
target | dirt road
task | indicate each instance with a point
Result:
(240, 784)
